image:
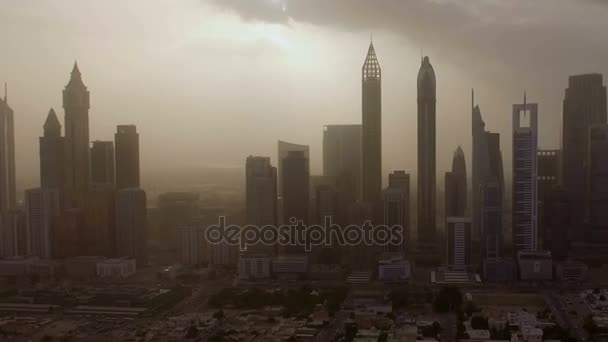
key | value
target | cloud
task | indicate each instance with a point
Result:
(528, 36)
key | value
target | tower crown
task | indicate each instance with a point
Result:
(427, 83)
(75, 94)
(371, 66)
(52, 127)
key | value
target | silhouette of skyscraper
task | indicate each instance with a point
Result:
(371, 138)
(42, 209)
(131, 233)
(396, 208)
(102, 164)
(557, 223)
(296, 186)
(342, 155)
(547, 179)
(458, 246)
(456, 186)
(8, 198)
(261, 196)
(525, 204)
(76, 105)
(126, 142)
(480, 166)
(426, 152)
(52, 154)
(283, 150)
(598, 183)
(584, 105)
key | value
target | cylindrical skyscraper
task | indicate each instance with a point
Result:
(426, 153)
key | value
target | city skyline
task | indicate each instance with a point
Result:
(124, 99)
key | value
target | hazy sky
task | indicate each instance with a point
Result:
(209, 82)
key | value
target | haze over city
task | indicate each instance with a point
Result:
(210, 82)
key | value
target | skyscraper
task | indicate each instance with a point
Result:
(8, 199)
(126, 142)
(456, 186)
(42, 209)
(296, 187)
(584, 105)
(131, 215)
(547, 179)
(342, 154)
(283, 150)
(371, 137)
(426, 152)
(76, 105)
(598, 182)
(176, 209)
(52, 154)
(480, 165)
(102, 163)
(525, 146)
(458, 247)
(396, 208)
(556, 222)
(261, 194)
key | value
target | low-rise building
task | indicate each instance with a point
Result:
(535, 265)
(290, 264)
(256, 266)
(116, 268)
(395, 269)
(82, 267)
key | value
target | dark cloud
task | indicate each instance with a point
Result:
(543, 36)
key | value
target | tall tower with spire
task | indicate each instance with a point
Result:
(426, 153)
(372, 131)
(7, 156)
(52, 154)
(76, 106)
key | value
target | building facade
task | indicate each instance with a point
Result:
(426, 153)
(131, 218)
(371, 137)
(102, 164)
(42, 207)
(126, 141)
(525, 202)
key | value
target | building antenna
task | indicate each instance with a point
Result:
(472, 98)
(5, 92)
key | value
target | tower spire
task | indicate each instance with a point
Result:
(5, 92)
(472, 98)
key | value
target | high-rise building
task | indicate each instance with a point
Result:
(42, 209)
(456, 186)
(426, 152)
(261, 188)
(8, 199)
(296, 188)
(126, 141)
(547, 179)
(584, 105)
(102, 164)
(326, 203)
(131, 234)
(175, 209)
(557, 223)
(371, 137)
(397, 207)
(598, 182)
(76, 105)
(480, 165)
(191, 249)
(525, 204)
(52, 154)
(13, 234)
(261, 195)
(98, 235)
(458, 247)
(283, 150)
(401, 180)
(342, 154)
